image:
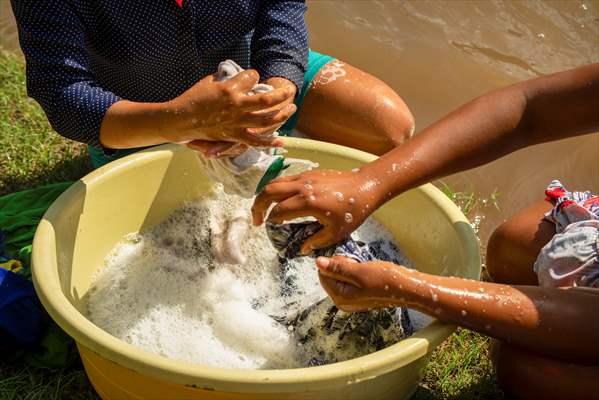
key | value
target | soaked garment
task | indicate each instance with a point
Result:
(246, 174)
(353, 334)
(322, 323)
(226, 236)
(288, 239)
(571, 258)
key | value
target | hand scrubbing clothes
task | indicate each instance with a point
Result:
(244, 175)
(322, 323)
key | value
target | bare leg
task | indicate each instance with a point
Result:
(349, 107)
(526, 375)
(512, 251)
(514, 246)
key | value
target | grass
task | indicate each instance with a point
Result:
(469, 202)
(22, 382)
(460, 368)
(34, 155)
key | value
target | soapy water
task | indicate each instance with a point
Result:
(162, 290)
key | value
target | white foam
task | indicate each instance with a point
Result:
(162, 290)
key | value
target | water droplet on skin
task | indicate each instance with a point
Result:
(464, 313)
(355, 170)
(348, 217)
(435, 297)
(339, 196)
(328, 213)
(367, 206)
(386, 287)
(351, 200)
(400, 286)
(308, 186)
(484, 310)
(465, 302)
(394, 167)
(311, 197)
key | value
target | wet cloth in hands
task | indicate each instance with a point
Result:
(322, 323)
(244, 175)
(571, 258)
(247, 174)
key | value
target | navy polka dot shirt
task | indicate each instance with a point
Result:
(84, 55)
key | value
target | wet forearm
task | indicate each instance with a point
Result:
(490, 127)
(130, 124)
(563, 323)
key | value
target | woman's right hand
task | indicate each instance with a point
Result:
(340, 201)
(221, 111)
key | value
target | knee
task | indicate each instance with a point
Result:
(509, 259)
(497, 250)
(395, 122)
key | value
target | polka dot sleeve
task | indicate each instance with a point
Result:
(280, 41)
(58, 76)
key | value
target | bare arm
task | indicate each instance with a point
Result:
(558, 322)
(208, 111)
(531, 112)
(536, 111)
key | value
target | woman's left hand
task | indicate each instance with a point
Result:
(216, 149)
(357, 286)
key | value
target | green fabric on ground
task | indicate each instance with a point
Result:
(56, 350)
(20, 213)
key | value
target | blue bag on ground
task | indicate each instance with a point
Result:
(22, 317)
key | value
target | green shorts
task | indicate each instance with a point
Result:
(315, 62)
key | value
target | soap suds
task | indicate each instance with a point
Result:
(163, 290)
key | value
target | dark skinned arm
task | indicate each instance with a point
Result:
(545, 109)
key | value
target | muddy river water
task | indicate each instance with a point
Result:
(440, 54)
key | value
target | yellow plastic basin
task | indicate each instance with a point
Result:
(139, 191)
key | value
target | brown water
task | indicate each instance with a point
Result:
(440, 54)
